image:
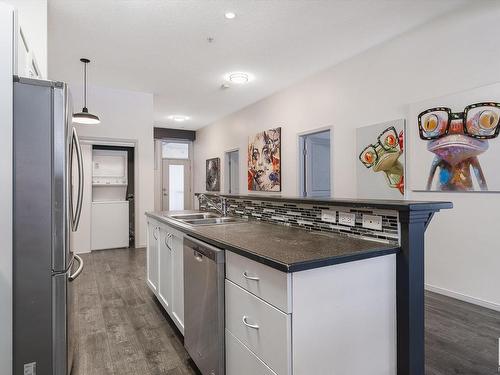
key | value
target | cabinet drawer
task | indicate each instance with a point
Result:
(271, 285)
(265, 330)
(241, 361)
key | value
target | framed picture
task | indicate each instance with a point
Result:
(381, 160)
(213, 174)
(264, 161)
(456, 143)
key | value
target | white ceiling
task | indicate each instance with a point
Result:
(161, 46)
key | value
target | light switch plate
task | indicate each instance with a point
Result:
(372, 222)
(346, 218)
(330, 216)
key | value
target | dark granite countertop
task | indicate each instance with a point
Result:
(284, 248)
(399, 205)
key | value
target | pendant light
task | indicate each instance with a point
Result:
(84, 117)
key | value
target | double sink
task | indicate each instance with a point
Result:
(205, 218)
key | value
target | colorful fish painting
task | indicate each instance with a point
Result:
(264, 161)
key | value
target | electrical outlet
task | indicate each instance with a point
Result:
(30, 368)
(330, 216)
(372, 222)
(346, 218)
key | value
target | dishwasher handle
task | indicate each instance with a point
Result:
(203, 249)
(197, 256)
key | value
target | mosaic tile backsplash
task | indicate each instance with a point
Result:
(309, 217)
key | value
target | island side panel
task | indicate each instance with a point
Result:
(410, 293)
(344, 318)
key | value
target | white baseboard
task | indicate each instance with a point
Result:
(463, 297)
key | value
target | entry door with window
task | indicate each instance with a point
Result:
(176, 176)
(315, 164)
(176, 186)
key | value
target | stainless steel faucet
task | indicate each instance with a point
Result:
(221, 207)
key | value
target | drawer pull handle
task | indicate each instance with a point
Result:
(254, 326)
(166, 242)
(254, 278)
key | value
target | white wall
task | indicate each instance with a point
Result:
(32, 16)
(6, 19)
(125, 116)
(453, 53)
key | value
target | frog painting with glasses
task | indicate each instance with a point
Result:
(456, 139)
(383, 156)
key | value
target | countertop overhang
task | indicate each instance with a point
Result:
(281, 247)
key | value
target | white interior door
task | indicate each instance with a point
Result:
(233, 172)
(176, 185)
(315, 173)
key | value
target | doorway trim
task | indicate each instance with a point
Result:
(121, 142)
(300, 160)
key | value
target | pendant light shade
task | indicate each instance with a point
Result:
(84, 117)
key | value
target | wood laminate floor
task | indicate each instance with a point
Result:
(460, 338)
(122, 330)
(120, 326)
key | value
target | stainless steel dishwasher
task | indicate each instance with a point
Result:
(204, 305)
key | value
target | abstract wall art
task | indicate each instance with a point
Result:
(264, 161)
(456, 146)
(213, 174)
(381, 160)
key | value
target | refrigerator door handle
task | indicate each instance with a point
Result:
(78, 270)
(75, 144)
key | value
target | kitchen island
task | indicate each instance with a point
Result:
(325, 302)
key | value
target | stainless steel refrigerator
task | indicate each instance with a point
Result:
(47, 207)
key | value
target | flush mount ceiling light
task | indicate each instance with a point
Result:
(230, 15)
(84, 117)
(178, 118)
(238, 78)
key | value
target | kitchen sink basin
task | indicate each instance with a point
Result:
(195, 216)
(205, 218)
(214, 221)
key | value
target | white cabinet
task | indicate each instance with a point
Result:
(177, 245)
(24, 57)
(261, 327)
(242, 361)
(263, 281)
(339, 319)
(152, 255)
(166, 268)
(110, 225)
